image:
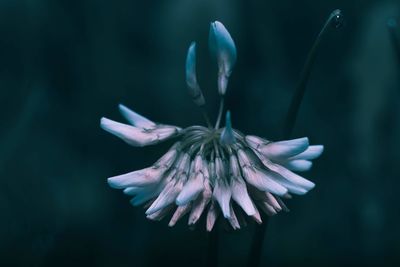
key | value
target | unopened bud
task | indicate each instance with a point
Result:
(227, 135)
(222, 46)
(191, 78)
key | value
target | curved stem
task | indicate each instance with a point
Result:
(334, 18)
(221, 109)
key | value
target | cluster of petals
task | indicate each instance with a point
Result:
(199, 174)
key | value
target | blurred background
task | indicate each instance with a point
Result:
(64, 64)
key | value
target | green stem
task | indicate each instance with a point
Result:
(221, 109)
(334, 18)
(205, 115)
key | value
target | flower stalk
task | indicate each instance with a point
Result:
(220, 111)
(335, 19)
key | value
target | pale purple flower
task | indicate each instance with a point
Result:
(212, 171)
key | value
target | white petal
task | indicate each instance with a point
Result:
(133, 190)
(284, 149)
(312, 152)
(200, 203)
(234, 169)
(241, 196)
(151, 191)
(168, 158)
(291, 177)
(220, 170)
(222, 194)
(147, 176)
(244, 158)
(179, 213)
(191, 190)
(135, 119)
(233, 219)
(260, 179)
(159, 215)
(136, 136)
(257, 216)
(270, 185)
(205, 170)
(291, 187)
(299, 165)
(165, 131)
(198, 164)
(255, 141)
(166, 197)
(183, 164)
(212, 216)
(273, 202)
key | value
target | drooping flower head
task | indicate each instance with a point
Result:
(212, 170)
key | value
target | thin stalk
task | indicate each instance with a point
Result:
(206, 117)
(335, 19)
(221, 109)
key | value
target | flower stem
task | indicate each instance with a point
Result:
(221, 109)
(205, 115)
(335, 19)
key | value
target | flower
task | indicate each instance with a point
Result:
(211, 170)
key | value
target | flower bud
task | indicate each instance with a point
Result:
(227, 135)
(223, 47)
(191, 77)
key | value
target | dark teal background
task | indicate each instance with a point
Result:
(64, 64)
